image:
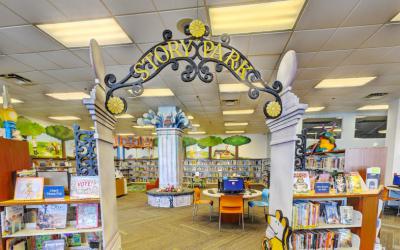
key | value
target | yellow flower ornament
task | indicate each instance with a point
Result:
(197, 28)
(273, 109)
(115, 105)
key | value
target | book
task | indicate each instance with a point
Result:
(373, 177)
(84, 187)
(346, 215)
(54, 192)
(340, 184)
(3, 223)
(13, 220)
(52, 216)
(58, 244)
(29, 188)
(73, 240)
(331, 212)
(87, 215)
(321, 239)
(355, 183)
(301, 183)
(40, 239)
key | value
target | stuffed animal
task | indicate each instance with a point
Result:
(277, 233)
(326, 143)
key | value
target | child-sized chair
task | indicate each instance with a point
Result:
(262, 203)
(231, 204)
(197, 201)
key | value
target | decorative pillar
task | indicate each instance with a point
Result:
(283, 140)
(392, 142)
(8, 115)
(170, 156)
(104, 124)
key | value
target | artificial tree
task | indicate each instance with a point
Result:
(187, 142)
(237, 141)
(28, 128)
(61, 133)
(210, 142)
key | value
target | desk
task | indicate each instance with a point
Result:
(247, 195)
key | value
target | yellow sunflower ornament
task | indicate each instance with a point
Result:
(115, 105)
(197, 28)
(273, 109)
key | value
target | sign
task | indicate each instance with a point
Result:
(322, 187)
(54, 192)
(198, 54)
(85, 187)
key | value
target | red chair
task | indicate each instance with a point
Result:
(152, 185)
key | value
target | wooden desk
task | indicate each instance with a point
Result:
(121, 186)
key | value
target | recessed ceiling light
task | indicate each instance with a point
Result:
(314, 109)
(236, 87)
(238, 112)
(13, 101)
(154, 133)
(195, 125)
(78, 34)
(374, 107)
(190, 117)
(65, 118)
(229, 124)
(196, 132)
(68, 96)
(144, 126)
(155, 92)
(258, 17)
(396, 18)
(125, 134)
(344, 82)
(382, 131)
(124, 116)
(234, 132)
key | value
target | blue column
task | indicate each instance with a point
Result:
(9, 127)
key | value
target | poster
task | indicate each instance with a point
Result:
(44, 149)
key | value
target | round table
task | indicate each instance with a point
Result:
(248, 194)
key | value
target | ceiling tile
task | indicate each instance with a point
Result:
(123, 7)
(318, 14)
(39, 77)
(304, 59)
(309, 40)
(313, 73)
(134, 27)
(84, 55)
(10, 65)
(71, 75)
(328, 58)
(80, 10)
(35, 60)
(125, 54)
(367, 56)
(8, 18)
(64, 58)
(264, 62)
(388, 35)
(177, 4)
(268, 43)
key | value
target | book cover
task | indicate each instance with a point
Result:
(52, 216)
(13, 219)
(58, 244)
(301, 182)
(3, 223)
(29, 188)
(84, 187)
(54, 192)
(87, 215)
(346, 215)
(340, 184)
(373, 177)
(356, 183)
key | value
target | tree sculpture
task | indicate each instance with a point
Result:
(237, 141)
(28, 128)
(210, 141)
(187, 142)
(61, 133)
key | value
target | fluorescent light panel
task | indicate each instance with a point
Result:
(65, 118)
(144, 126)
(68, 96)
(382, 131)
(190, 117)
(231, 124)
(344, 82)
(234, 132)
(314, 109)
(13, 101)
(238, 112)
(125, 134)
(236, 87)
(258, 17)
(124, 116)
(396, 18)
(155, 92)
(374, 107)
(195, 125)
(78, 34)
(196, 132)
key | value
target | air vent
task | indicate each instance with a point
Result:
(17, 79)
(231, 102)
(375, 96)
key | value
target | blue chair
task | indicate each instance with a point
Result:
(262, 203)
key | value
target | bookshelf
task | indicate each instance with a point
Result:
(51, 164)
(326, 161)
(138, 170)
(70, 229)
(66, 200)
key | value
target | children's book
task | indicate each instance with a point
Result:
(87, 215)
(13, 220)
(340, 184)
(331, 213)
(355, 183)
(29, 188)
(373, 177)
(85, 187)
(301, 183)
(58, 244)
(346, 215)
(52, 216)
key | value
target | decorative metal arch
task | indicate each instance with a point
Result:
(197, 52)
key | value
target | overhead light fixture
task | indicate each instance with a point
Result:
(344, 82)
(154, 133)
(65, 118)
(238, 112)
(196, 132)
(155, 92)
(325, 127)
(92, 128)
(195, 125)
(231, 124)
(337, 130)
(360, 116)
(258, 17)
(78, 34)
(374, 107)
(190, 117)
(68, 96)
(382, 131)
(237, 87)
(13, 101)
(396, 18)
(234, 132)
(125, 134)
(124, 116)
(144, 126)
(314, 109)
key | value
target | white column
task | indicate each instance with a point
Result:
(170, 156)
(393, 141)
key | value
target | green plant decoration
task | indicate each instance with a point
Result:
(61, 133)
(210, 141)
(28, 128)
(237, 141)
(187, 142)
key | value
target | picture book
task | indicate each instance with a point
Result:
(340, 184)
(58, 244)
(331, 212)
(301, 183)
(83, 187)
(13, 220)
(52, 216)
(355, 183)
(87, 215)
(373, 177)
(29, 188)
(40, 239)
(73, 240)
(54, 192)
(346, 215)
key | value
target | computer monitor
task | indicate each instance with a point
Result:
(233, 185)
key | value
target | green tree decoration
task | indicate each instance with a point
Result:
(210, 141)
(187, 142)
(61, 133)
(237, 141)
(28, 128)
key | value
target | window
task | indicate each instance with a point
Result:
(371, 127)
(315, 126)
